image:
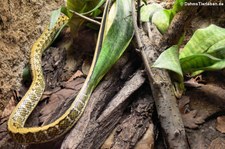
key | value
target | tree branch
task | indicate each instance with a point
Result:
(161, 86)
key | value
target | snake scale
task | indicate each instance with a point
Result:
(104, 58)
(30, 100)
(46, 133)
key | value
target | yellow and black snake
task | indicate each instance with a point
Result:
(102, 62)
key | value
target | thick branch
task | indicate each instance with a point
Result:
(161, 86)
(95, 125)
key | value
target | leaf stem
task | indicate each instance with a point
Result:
(86, 18)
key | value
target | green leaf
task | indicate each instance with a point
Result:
(66, 12)
(119, 30)
(54, 17)
(204, 40)
(178, 5)
(217, 66)
(27, 77)
(197, 62)
(83, 6)
(148, 10)
(204, 51)
(96, 7)
(218, 50)
(162, 19)
(169, 60)
(58, 32)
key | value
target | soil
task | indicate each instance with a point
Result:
(21, 22)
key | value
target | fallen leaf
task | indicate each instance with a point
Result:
(220, 124)
(191, 120)
(48, 93)
(86, 66)
(77, 74)
(9, 108)
(218, 143)
(58, 98)
(147, 141)
(194, 82)
(184, 104)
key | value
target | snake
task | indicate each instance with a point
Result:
(41, 134)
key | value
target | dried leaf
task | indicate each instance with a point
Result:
(218, 143)
(9, 108)
(191, 120)
(220, 124)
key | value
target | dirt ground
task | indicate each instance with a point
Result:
(21, 22)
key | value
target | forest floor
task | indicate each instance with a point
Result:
(22, 21)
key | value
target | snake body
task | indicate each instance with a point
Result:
(17, 119)
(54, 130)
(102, 62)
(31, 98)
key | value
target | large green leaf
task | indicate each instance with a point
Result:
(54, 17)
(163, 18)
(204, 51)
(177, 6)
(197, 62)
(148, 10)
(204, 40)
(169, 60)
(82, 6)
(116, 39)
(100, 3)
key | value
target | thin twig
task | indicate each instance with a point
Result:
(135, 25)
(86, 18)
(98, 18)
(138, 13)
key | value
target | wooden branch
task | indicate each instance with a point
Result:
(177, 27)
(99, 120)
(104, 110)
(162, 88)
(135, 123)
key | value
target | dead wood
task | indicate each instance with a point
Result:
(160, 82)
(104, 109)
(103, 112)
(136, 122)
(215, 92)
(4, 137)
